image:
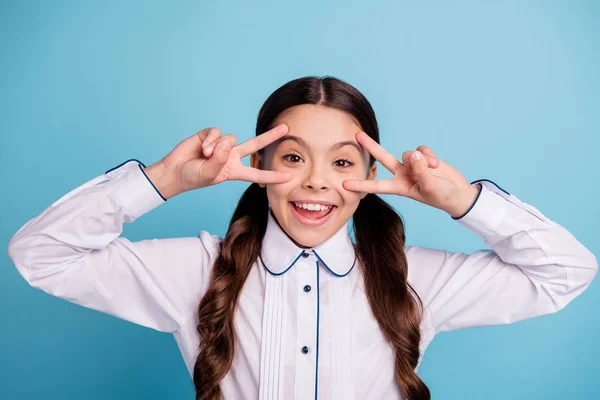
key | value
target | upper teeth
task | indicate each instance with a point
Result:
(312, 206)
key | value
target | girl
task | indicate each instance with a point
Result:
(287, 305)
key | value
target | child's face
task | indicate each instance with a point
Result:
(318, 168)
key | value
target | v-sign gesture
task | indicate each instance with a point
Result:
(207, 158)
(420, 176)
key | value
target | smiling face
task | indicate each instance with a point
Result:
(320, 151)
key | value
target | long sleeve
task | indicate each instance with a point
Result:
(73, 251)
(535, 266)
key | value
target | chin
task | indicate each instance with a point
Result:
(307, 242)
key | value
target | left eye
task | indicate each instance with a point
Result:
(343, 163)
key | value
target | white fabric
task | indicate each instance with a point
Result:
(73, 250)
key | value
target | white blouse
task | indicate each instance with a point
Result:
(304, 327)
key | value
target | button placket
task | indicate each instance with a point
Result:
(306, 254)
(307, 314)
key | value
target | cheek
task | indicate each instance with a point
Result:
(279, 191)
(351, 198)
(348, 195)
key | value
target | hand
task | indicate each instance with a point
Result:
(207, 158)
(428, 180)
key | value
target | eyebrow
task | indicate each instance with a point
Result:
(334, 147)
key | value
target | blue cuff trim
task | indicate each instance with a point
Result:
(140, 165)
(125, 162)
(472, 205)
(492, 182)
(480, 181)
(142, 169)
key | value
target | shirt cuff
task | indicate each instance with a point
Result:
(133, 188)
(492, 207)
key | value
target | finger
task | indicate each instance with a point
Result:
(208, 150)
(420, 170)
(206, 132)
(263, 140)
(426, 150)
(432, 162)
(215, 163)
(387, 159)
(230, 139)
(209, 142)
(250, 174)
(196, 140)
(227, 138)
(371, 186)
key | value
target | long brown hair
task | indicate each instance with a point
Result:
(379, 236)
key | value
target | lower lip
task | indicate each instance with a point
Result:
(312, 221)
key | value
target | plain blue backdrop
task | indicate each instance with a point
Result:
(508, 92)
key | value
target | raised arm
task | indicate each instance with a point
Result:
(72, 250)
(534, 267)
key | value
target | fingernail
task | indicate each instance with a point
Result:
(416, 155)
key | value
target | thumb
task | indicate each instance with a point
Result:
(219, 158)
(421, 171)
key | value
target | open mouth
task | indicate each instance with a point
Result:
(312, 214)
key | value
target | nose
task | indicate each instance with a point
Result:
(315, 179)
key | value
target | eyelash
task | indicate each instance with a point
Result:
(348, 162)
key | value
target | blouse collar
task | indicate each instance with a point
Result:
(279, 253)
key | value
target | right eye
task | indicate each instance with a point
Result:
(291, 157)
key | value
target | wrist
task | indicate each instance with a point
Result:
(465, 201)
(163, 179)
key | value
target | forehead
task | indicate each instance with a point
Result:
(319, 125)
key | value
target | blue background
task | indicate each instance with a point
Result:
(508, 92)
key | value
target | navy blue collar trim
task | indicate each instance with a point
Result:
(283, 272)
(298, 257)
(329, 269)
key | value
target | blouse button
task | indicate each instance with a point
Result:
(305, 254)
(307, 288)
(305, 350)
